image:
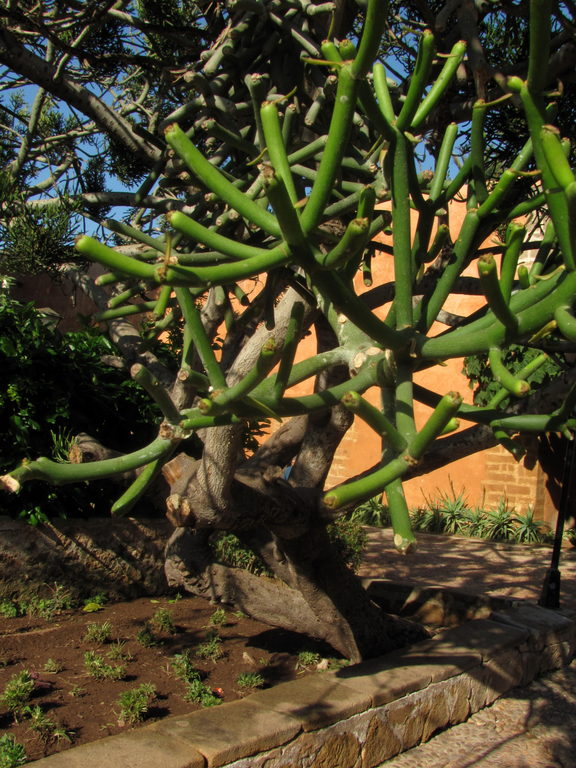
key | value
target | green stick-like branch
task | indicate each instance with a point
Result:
(376, 420)
(516, 387)
(57, 473)
(488, 273)
(218, 183)
(157, 392)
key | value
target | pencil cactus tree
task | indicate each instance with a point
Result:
(293, 150)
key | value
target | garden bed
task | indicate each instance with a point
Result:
(142, 642)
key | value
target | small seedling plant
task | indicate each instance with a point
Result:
(119, 652)
(199, 693)
(307, 659)
(146, 637)
(17, 694)
(218, 618)
(183, 667)
(53, 666)
(135, 703)
(99, 669)
(211, 648)
(98, 633)
(249, 681)
(163, 621)
(12, 754)
(46, 728)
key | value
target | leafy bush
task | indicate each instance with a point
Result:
(349, 538)
(346, 534)
(372, 512)
(53, 386)
(451, 515)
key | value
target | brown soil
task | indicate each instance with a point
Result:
(88, 708)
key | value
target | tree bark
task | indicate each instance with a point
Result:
(324, 601)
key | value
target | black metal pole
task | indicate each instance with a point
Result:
(550, 596)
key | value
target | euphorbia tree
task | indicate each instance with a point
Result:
(283, 175)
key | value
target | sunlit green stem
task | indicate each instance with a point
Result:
(374, 23)
(340, 124)
(58, 473)
(202, 343)
(539, 37)
(121, 298)
(162, 302)
(216, 181)
(443, 161)
(383, 95)
(354, 402)
(403, 268)
(516, 387)
(276, 149)
(351, 245)
(266, 361)
(446, 409)
(138, 487)
(441, 83)
(418, 81)
(497, 301)
(524, 373)
(117, 262)
(566, 322)
(514, 239)
(404, 539)
(356, 491)
(201, 234)
(291, 342)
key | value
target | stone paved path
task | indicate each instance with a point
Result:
(532, 727)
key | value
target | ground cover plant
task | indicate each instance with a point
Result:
(273, 153)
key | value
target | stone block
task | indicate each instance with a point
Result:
(316, 701)
(505, 671)
(381, 743)
(403, 672)
(236, 730)
(486, 637)
(550, 625)
(556, 655)
(141, 748)
(456, 691)
(407, 717)
(339, 750)
(435, 711)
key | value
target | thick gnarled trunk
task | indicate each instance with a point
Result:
(314, 592)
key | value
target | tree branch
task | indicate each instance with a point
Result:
(18, 58)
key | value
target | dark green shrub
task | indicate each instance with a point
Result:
(53, 386)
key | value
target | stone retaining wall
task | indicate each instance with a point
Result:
(356, 717)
